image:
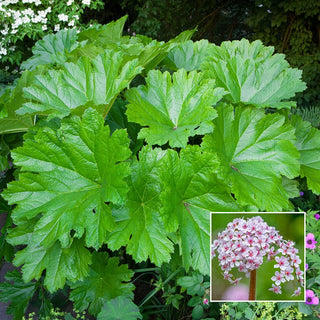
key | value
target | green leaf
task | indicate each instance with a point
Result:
(154, 51)
(4, 97)
(106, 281)
(52, 49)
(231, 312)
(138, 222)
(102, 35)
(194, 301)
(173, 109)
(117, 119)
(255, 150)
(283, 305)
(149, 52)
(68, 316)
(11, 122)
(291, 187)
(315, 259)
(174, 299)
(148, 55)
(23, 233)
(304, 308)
(197, 312)
(182, 37)
(188, 55)
(193, 284)
(192, 190)
(68, 175)
(17, 292)
(60, 263)
(88, 82)
(249, 313)
(252, 74)
(87, 50)
(308, 144)
(6, 250)
(118, 309)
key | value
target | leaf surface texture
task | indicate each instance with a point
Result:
(255, 151)
(173, 109)
(68, 176)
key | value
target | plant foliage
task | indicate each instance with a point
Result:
(123, 158)
(17, 292)
(118, 309)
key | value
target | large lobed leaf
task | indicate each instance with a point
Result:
(87, 82)
(68, 175)
(107, 280)
(52, 48)
(16, 292)
(138, 224)
(252, 74)
(60, 264)
(255, 150)
(12, 100)
(173, 108)
(188, 55)
(191, 191)
(308, 144)
(118, 309)
(102, 35)
(149, 52)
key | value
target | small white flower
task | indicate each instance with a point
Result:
(3, 51)
(63, 17)
(86, 2)
(28, 12)
(71, 23)
(5, 31)
(57, 27)
(70, 2)
(44, 27)
(25, 19)
(36, 19)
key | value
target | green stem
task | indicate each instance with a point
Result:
(155, 290)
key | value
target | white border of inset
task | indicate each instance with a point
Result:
(260, 213)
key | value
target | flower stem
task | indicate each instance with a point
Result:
(252, 289)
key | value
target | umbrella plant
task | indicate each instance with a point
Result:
(131, 142)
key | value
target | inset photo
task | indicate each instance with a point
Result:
(257, 256)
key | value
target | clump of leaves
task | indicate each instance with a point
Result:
(90, 182)
(198, 288)
(261, 310)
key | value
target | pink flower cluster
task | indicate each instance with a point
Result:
(244, 244)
